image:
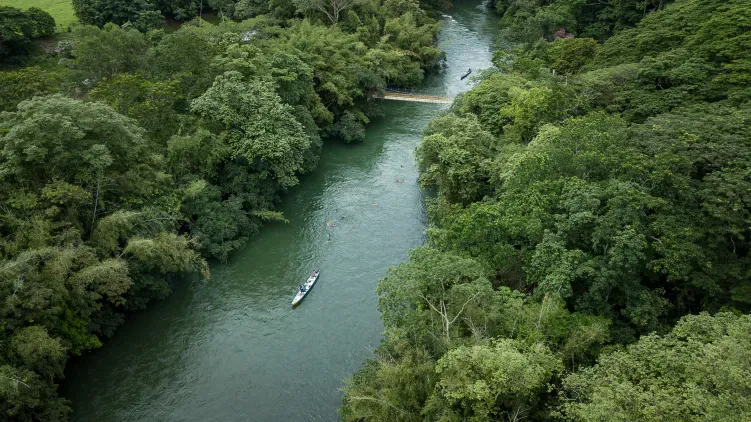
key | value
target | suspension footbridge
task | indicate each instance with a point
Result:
(416, 97)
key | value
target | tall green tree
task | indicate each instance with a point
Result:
(500, 381)
(99, 53)
(258, 126)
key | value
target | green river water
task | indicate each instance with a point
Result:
(232, 349)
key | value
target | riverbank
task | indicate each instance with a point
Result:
(233, 349)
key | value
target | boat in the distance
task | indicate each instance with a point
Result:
(308, 285)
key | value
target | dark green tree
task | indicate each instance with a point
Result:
(18, 28)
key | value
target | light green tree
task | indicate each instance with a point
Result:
(257, 125)
(499, 381)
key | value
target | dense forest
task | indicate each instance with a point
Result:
(131, 152)
(588, 253)
(588, 250)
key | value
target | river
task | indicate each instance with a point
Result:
(232, 348)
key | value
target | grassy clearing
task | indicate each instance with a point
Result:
(61, 10)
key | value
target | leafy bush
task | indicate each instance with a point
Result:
(18, 28)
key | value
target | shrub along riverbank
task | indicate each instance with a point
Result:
(130, 156)
(588, 255)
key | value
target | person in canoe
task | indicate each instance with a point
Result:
(302, 288)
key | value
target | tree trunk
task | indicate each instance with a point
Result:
(96, 201)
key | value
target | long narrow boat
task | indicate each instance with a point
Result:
(308, 285)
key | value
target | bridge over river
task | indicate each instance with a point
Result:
(416, 97)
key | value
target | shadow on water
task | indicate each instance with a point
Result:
(233, 348)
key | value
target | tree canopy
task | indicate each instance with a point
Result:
(588, 250)
(694, 372)
(591, 200)
(132, 153)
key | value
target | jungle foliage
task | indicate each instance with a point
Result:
(530, 19)
(150, 14)
(588, 254)
(130, 156)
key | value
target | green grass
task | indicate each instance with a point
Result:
(61, 10)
